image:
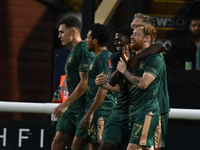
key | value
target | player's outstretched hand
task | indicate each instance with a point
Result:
(59, 110)
(100, 79)
(87, 119)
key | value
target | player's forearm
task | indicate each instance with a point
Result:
(114, 78)
(108, 87)
(133, 79)
(78, 92)
(141, 82)
(100, 95)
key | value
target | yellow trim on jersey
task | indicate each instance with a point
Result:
(151, 73)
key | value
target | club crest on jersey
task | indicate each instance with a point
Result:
(110, 64)
(141, 66)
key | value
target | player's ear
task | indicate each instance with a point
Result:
(73, 31)
(147, 38)
(94, 41)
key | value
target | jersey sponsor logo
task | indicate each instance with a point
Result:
(84, 65)
(110, 64)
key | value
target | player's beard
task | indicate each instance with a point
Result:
(136, 46)
(195, 35)
(90, 49)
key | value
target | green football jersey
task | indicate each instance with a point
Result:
(99, 64)
(163, 96)
(79, 59)
(113, 60)
(120, 113)
(145, 101)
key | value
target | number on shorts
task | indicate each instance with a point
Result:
(139, 128)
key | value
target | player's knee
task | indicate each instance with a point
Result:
(149, 148)
(75, 148)
(107, 146)
(57, 144)
(54, 142)
(132, 146)
(103, 147)
(54, 145)
(95, 146)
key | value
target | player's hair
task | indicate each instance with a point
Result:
(149, 30)
(71, 22)
(126, 31)
(193, 17)
(145, 18)
(101, 33)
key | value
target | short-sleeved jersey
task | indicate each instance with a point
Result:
(163, 96)
(99, 64)
(145, 101)
(79, 59)
(113, 60)
(120, 113)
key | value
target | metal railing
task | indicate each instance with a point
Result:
(48, 108)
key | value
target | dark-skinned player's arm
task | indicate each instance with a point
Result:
(102, 81)
(114, 78)
(153, 49)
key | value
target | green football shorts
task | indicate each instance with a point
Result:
(68, 123)
(116, 134)
(94, 134)
(161, 130)
(143, 129)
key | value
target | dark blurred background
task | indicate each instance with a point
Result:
(32, 58)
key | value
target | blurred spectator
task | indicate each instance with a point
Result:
(61, 93)
(184, 48)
